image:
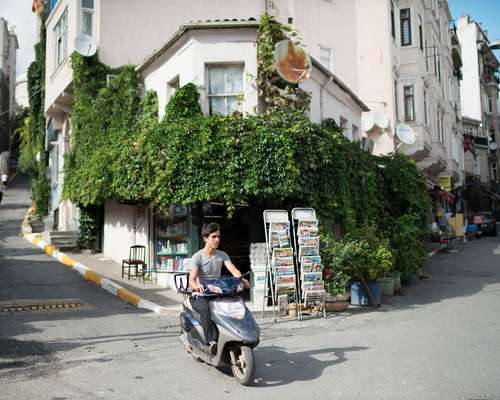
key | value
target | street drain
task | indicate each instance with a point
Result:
(38, 304)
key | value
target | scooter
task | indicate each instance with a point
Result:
(238, 330)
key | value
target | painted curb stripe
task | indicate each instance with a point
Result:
(129, 297)
(110, 286)
(80, 268)
(93, 277)
(90, 275)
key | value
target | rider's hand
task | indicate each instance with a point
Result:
(199, 288)
(246, 284)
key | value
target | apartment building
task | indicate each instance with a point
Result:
(479, 101)
(8, 49)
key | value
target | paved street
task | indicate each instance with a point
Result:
(441, 340)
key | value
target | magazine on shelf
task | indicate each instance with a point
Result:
(283, 238)
(285, 281)
(309, 241)
(310, 260)
(312, 268)
(313, 286)
(308, 232)
(308, 251)
(308, 223)
(282, 252)
(282, 261)
(312, 277)
(314, 297)
(284, 270)
(278, 226)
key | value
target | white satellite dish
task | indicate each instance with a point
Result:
(406, 134)
(381, 120)
(85, 45)
(292, 62)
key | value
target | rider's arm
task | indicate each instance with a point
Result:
(193, 281)
(236, 272)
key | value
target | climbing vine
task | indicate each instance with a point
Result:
(33, 158)
(122, 150)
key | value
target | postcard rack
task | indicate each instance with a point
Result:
(310, 285)
(281, 279)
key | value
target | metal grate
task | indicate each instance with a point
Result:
(38, 304)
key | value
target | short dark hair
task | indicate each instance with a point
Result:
(210, 228)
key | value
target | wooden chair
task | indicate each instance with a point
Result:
(136, 258)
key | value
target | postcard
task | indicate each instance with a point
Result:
(283, 252)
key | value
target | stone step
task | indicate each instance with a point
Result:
(63, 239)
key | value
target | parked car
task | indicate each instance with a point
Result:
(485, 223)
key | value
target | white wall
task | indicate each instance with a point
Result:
(470, 91)
(119, 233)
(190, 55)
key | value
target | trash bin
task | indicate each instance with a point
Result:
(497, 225)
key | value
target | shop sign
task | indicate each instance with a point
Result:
(445, 183)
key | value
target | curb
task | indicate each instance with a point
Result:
(89, 275)
(433, 252)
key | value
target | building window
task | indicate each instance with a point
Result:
(489, 104)
(325, 57)
(343, 126)
(425, 107)
(404, 16)
(409, 103)
(393, 23)
(439, 69)
(60, 38)
(426, 57)
(420, 33)
(355, 133)
(88, 17)
(225, 89)
(172, 87)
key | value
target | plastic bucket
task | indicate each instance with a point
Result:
(359, 296)
(386, 286)
(409, 280)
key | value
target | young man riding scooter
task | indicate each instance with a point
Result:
(207, 263)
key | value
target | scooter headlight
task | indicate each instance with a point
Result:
(234, 309)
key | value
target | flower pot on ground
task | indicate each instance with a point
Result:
(386, 285)
(359, 297)
(396, 276)
(335, 303)
(408, 280)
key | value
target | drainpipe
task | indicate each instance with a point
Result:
(321, 113)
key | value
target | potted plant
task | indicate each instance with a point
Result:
(337, 295)
(409, 250)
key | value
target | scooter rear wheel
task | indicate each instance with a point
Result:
(244, 367)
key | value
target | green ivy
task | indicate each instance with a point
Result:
(32, 133)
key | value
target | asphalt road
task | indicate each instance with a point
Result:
(441, 340)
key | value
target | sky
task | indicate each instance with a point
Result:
(18, 13)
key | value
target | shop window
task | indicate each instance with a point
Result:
(409, 103)
(405, 23)
(225, 89)
(60, 39)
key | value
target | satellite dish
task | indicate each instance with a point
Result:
(292, 62)
(85, 45)
(406, 134)
(381, 120)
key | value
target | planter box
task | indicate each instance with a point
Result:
(335, 305)
(386, 286)
(359, 296)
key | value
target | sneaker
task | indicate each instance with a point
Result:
(213, 348)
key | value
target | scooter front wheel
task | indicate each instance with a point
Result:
(242, 364)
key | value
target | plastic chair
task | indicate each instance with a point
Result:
(136, 258)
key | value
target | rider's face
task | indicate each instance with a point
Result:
(213, 240)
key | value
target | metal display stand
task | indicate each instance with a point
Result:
(280, 267)
(310, 285)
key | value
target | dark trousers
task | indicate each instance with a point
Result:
(200, 304)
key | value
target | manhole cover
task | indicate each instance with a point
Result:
(38, 304)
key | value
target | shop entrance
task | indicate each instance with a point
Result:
(245, 227)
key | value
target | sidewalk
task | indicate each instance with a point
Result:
(110, 269)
